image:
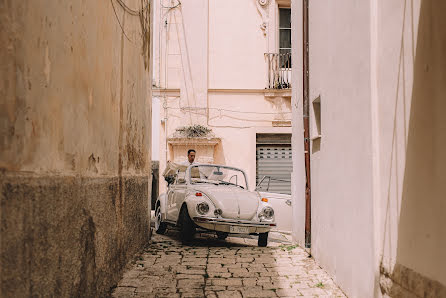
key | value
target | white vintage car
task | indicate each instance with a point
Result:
(212, 198)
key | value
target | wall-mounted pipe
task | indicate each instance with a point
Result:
(306, 116)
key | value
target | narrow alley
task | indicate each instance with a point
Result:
(234, 267)
(223, 148)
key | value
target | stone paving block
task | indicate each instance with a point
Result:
(252, 265)
(257, 269)
(221, 261)
(268, 274)
(216, 268)
(256, 292)
(131, 282)
(190, 284)
(226, 281)
(170, 295)
(162, 283)
(215, 288)
(312, 291)
(235, 265)
(192, 277)
(288, 293)
(238, 270)
(219, 274)
(168, 269)
(124, 292)
(244, 260)
(145, 289)
(198, 261)
(163, 291)
(249, 281)
(245, 274)
(229, 294)
(193, 293)
(210, 294)
(190, 271)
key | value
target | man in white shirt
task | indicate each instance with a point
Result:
(190, 158)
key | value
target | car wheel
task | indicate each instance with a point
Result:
(160, 227)
(263, 239)
(187, 226)
(222, 235)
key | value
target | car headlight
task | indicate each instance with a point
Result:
(266, 213)
(203, 208)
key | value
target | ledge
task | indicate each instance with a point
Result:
(278, 92)
(193, 141)
(281, 123)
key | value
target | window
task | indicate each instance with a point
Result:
(285, 37)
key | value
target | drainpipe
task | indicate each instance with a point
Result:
(306, 116)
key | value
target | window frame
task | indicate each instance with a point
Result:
(279, 28)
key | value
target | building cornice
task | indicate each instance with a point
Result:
(266, 92)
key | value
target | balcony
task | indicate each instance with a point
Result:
(279, 70)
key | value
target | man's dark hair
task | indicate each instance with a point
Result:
(189, 151)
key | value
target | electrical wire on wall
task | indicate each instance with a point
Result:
(186, 66)
(163, 19)
(144, 16)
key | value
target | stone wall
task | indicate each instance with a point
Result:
(74, 145)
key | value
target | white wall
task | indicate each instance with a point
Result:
(341, 168)
(379, 172)
(298, 176)
(411, 70)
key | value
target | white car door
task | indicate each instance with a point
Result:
(175, 196)
(171, 203)
(281, 204)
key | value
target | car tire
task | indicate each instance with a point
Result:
(187, 226)
(160, 227)
(263, 239)
(222, 235)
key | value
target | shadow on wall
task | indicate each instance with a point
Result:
(420, 269)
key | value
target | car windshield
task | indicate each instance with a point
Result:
(217, 175)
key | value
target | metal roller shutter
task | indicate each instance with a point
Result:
(275, 161)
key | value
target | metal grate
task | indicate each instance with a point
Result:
(275, 162)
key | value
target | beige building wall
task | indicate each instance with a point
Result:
(378, 170)
(210, 70)
(75, 145)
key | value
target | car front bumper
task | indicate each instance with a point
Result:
(224, 225)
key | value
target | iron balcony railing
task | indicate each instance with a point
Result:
(279, 70)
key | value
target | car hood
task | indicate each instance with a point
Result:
(236, 203)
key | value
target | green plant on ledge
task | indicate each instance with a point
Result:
(193, 131)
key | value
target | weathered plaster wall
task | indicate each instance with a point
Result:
(411, 84)
(75, 146)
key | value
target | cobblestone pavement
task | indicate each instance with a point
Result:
(234, 267)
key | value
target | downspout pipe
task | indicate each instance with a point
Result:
(306, 118)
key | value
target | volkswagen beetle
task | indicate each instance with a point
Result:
(212, 198)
